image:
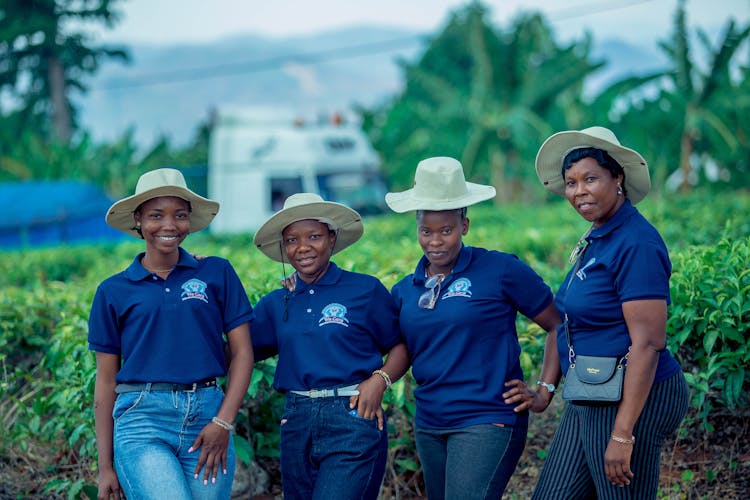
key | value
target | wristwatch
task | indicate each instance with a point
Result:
(550, 387)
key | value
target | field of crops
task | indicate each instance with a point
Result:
(47, 373)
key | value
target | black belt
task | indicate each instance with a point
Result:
(165, 386)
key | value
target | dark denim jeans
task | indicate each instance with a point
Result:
(152, 434)
(472, 462)
(328, 451)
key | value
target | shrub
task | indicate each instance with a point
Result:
(709, 322)
(46, 389)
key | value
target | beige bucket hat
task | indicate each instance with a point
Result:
(347, 223)
(161, 182)
(550, 157)
(439, 184)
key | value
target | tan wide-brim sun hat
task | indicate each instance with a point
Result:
(439, 184)
(550, 157)
(156, 183)
(347, 223)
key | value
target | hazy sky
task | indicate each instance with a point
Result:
(176, 21)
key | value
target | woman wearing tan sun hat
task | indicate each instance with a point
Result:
(163, 425)
(330, 329)
(614, 301)
(458, 315)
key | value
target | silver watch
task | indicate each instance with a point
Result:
(550, 387)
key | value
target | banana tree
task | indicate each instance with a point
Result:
(484, 96)
(703, 102)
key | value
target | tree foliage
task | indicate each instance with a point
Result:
(489, 97)
(43, 61)
(484, 96)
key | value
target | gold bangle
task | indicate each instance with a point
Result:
(386, 377)
(618, 439)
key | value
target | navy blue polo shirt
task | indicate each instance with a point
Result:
(169, 330)
(335, 333)
(466, 348)
(625, 260)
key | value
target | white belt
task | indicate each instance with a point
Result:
(349, 390)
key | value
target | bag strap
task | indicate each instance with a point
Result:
(578, 252)
(571, 352)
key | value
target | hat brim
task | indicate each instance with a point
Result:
(120, 214)
(408, 200)
(550, 157)
(348, 222)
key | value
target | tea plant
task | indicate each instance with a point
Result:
(47, 372)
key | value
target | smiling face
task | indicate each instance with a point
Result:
(593, 190)
(165, 222)
(440, 234)
(308, 245)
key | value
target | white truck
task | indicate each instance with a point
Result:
(258, 157)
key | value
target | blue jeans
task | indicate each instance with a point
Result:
(152, 434)
(328, 451)
(472, 462)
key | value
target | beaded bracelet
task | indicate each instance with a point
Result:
(618, 439)
(223, 424)
(386, 377)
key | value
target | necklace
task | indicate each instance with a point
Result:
(429, 275)
(157, 271)
(154, 270)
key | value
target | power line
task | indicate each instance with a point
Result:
(207, 72)
(592, 8)
(338, 53)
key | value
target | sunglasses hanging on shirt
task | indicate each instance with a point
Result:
(580, 246)
(428, 299)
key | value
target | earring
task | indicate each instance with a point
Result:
(619, 190)
(137, 225)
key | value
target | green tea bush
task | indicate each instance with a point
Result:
(710, 320)
(47, 372)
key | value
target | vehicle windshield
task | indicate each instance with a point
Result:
(362, 191)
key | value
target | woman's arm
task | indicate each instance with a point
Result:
(647, 324)
(538, 400)
(107, 366)
(214, 439)
(369, 401)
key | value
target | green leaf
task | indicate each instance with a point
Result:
(407, 464)
(243, 450)
(709, 340)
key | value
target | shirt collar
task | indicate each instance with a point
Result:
(331, 277)
(462, 262)
(136, 271)
(623, 213)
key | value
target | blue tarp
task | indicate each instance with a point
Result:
(49, 213)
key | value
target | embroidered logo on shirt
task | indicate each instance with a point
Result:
(459, 288)
(581, 273)
(333, 314)
(194, 289)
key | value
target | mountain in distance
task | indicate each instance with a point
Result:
(170, 90)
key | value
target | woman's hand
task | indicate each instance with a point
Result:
(617, 463)
(289, 282)
(370, 399)
(524, 398)
(109, 485)
(213, 441)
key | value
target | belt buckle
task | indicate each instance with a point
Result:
(316, 393)
(193, 388)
